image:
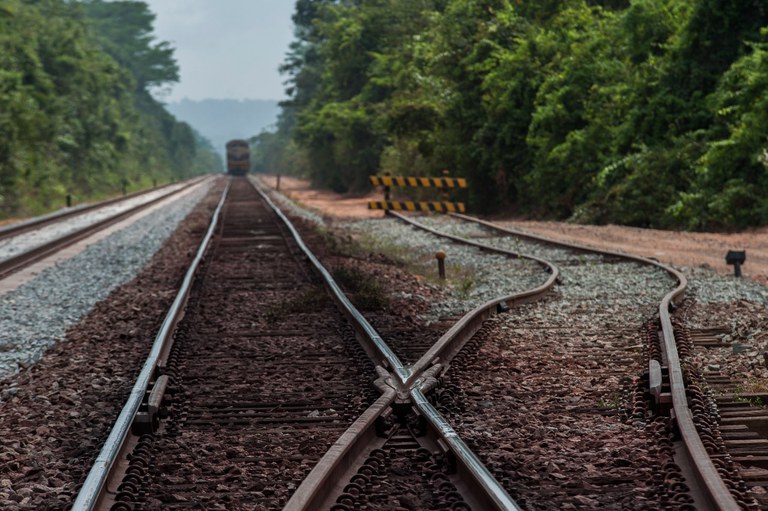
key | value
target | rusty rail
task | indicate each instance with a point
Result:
(709, 483)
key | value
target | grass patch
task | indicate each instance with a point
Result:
(367, 293)
(754, 386)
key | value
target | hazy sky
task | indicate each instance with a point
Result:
(226, 48)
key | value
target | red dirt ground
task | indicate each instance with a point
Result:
(673, 247)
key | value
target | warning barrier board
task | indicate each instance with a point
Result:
(429, 182)
(440, 207)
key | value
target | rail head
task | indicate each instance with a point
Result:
(95, 483)
(484, 488)
(372, 342)
(317, 487)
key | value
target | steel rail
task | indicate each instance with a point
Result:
(462, 331)
(709, 484)
(315, 489)
(95, 484)
(379, 352)
(491, 491)
(23, 259)
(494, 495)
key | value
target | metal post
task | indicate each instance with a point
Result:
(736, 258)
(440, 256)
(386, 189)
(277, 186)
(69, 201)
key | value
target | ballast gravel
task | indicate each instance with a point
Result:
(56, 414)
(37, 314)
(472, 277)
(29, 240)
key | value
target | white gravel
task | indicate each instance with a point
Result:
(29, 240)
(707, 286)
(37, 314)
(475, 277)
(474, 281)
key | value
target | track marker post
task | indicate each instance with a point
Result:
(440, 256)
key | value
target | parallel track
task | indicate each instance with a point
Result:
(23, 226)
(21, 260)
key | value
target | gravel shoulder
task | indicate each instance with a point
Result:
(682, 249)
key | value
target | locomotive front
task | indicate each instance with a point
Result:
(238, 157)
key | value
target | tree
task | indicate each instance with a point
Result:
(124, 29)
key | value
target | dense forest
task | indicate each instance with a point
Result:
(76, 113)
(641, 112)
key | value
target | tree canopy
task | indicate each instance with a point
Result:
(76, 116)
(642, 112)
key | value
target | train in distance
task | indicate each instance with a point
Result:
(238, 157)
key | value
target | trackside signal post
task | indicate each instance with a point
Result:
(442, 183)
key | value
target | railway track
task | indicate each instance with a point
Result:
(36, 223)
(36, 239)
(695, 471)
(402, 449)
(739, 433)
(538, 395)
(261, 423)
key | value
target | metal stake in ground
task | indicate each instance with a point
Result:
(736, 258)
(440, 256)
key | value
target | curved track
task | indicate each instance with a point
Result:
(695, 474)
(233, 429)
(266, 389)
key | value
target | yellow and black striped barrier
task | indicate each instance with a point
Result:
(442, 183)
(440, 207)
(427, 182)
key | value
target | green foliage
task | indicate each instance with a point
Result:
(367, 292)
(73, 119)
(645, 112)
(124, 29)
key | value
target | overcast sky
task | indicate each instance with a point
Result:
(226, 49)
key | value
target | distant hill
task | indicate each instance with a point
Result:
(220, 120)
